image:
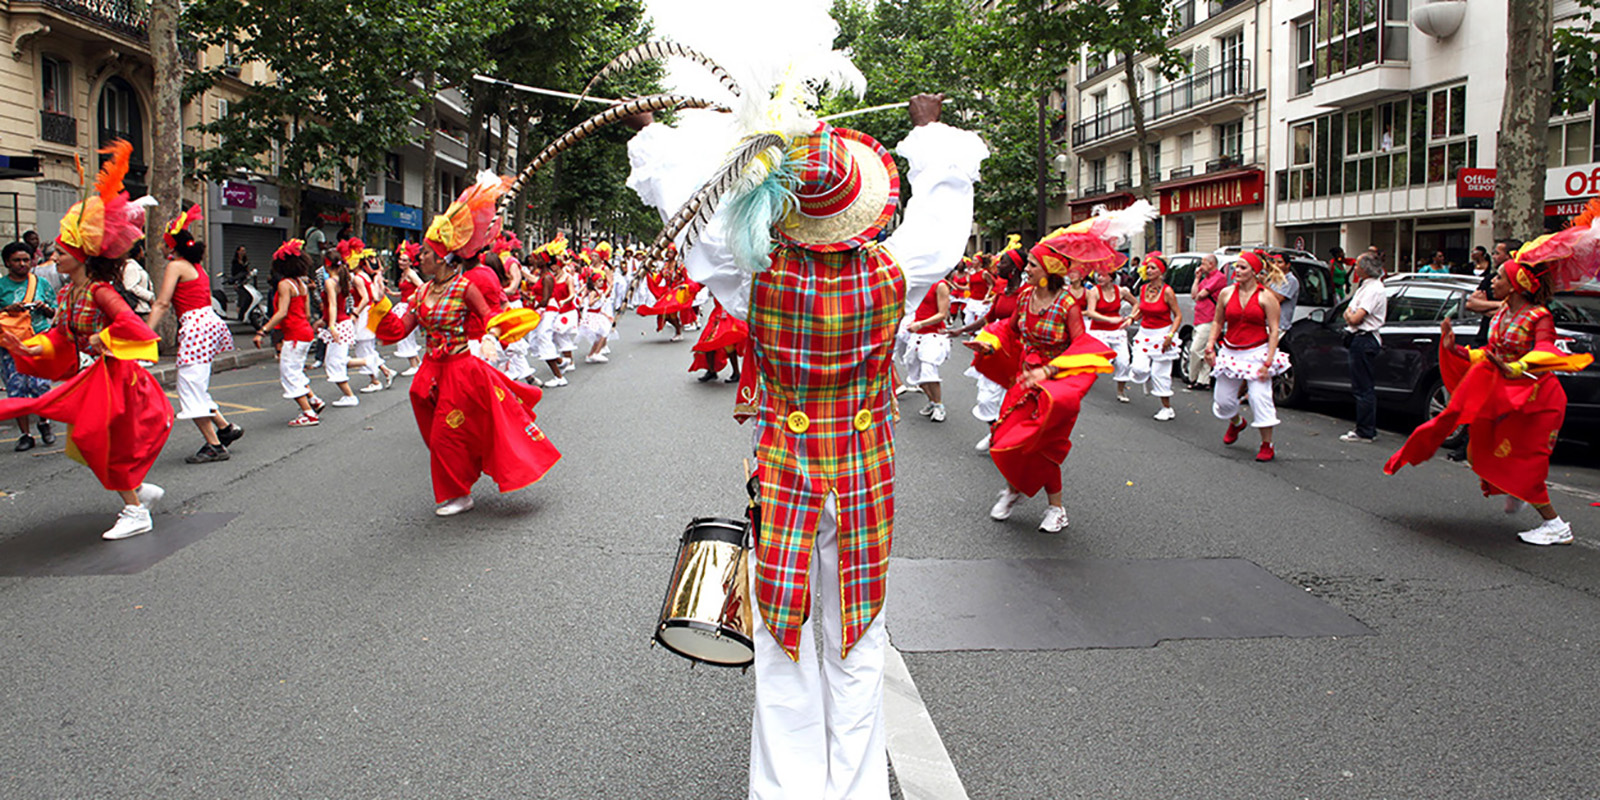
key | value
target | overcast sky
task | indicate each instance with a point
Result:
(743, 35)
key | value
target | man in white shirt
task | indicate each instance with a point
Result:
(1369, 307)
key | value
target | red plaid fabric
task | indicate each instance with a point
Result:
(80, 314)
(445, 321)
(822, 330)
(1043, 334)
(1511, 335)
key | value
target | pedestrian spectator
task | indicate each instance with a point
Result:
(346, 232)
(45, 267)
(1480, 261)
(1208, 283)
(27, 307)
(136, 281)
(31, 239)
(1287, 288)
(315, 244)
(1368, 308)
(1341, 270)
(1438, 266)
(1243, 348)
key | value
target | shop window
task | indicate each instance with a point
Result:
(1230, 227)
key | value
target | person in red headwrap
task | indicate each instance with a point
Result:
(1507, 393)
(409, 348)
(1155, 348)
(473, 418)
(1048, 360)
(291, 315)
(202, 335)
(1243, 351)
(120, 418)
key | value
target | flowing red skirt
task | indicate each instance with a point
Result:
(476, 421)
(119, 417)
(1034, 433)
(722, 331)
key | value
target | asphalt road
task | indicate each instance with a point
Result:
(336, 640)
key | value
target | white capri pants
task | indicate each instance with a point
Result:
(989, 396)
(1231, 364)
(368, 349)
(817, 731)
(1117, 340)
(194, 391)
(924, 353)
(1152, 364)
(292, 369)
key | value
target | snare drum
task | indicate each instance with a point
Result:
(706, 613)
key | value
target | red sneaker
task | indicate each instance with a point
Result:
(1234, 429)
(1265, 453)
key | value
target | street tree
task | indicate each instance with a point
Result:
(1577, 55)
(1520, 151)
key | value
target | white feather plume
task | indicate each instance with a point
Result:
(1128, 221)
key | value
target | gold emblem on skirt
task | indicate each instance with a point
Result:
(1504, 449)
(499, 394)
(455, 418)
(798, 422)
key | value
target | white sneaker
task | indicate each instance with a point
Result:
(451, 508)
(369, 389)
(567, 363)
(1055, 518)
(345, 401)
(150, 494)
(1166, 413)
(906, 388)
(1122, 398)
(596, 360)
(410, 371)
(1513, 505)
(983, 444)
(927, 410)
(562, 381)
(938, 413)
(1002, 507)
(1553, 531)
(131, 521)
(388, 376)
(1352, 436)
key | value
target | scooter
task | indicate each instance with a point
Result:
(252, 303)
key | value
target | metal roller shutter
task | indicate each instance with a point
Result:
(259, 242)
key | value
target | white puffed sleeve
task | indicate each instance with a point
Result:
(932, 236)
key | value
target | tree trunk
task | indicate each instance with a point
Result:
(430, 148)
(1041, 211)
(1141, 135)
(166, 150)
(1520, 157)
(475, 136)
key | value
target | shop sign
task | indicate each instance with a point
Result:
(264, 220)
(1571, 209)
(1235, 190)
(1570, 183)
(373, 203)
(395, 215)
(238, 195)
(1475, 188)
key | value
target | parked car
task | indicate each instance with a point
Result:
(1407, 369)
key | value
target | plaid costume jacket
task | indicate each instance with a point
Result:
(822, 331)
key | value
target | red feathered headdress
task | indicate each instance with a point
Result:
(1565, 259)
(470, 222)
(180, 225)
(105, 223)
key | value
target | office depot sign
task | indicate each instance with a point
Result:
(1565, 184)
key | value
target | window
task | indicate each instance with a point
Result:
(1349, 33)
(1183, 15)
(1419, 304)
(1305, 56)
(1185, 150)
(55, 86)
(1449, 148)
(1152, 161)
(1097, 104)
(1127, 166)
(115, 105)
(1230, 139)
(393, 178)
(222, 114)
(1097, 176)
(1366, 149)
(1230, 227)
(1230, 59)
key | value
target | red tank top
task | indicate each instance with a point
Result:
(978, 286)
(1244, 325)
(190, 295)
(1110, 308)
(929, 305)
(1154, 315)
(296, 323)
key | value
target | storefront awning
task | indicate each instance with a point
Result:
(15, 167)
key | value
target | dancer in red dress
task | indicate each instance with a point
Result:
(1049, 361)
(1507, 393)
(473, 418)
(120, 418)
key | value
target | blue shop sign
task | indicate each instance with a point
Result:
(395, 215)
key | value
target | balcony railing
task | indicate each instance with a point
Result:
(1225, 162)
(1180, 172)
(1122, 186)
(1091, 191)
(58, 128)
(131, 17)
(1231, 79)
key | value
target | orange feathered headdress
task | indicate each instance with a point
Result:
(1565, 259)
(1087, 245)
(105, 223)
(506, 243)
(289, 249)
(470, 222)
(179, 225)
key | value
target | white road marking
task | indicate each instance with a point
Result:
(921, 764)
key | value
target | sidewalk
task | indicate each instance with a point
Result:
(243, 354)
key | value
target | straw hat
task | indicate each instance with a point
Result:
(847, 189)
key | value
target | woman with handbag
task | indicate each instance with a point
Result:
(27, 307)
(202, 336)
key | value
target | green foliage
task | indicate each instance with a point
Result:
(1577, 51)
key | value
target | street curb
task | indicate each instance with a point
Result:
(167, 374)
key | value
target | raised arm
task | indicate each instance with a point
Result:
(944, 163)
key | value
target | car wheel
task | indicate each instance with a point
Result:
(1431, 398)
(1288, 388)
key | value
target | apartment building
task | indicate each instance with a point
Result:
(1382, 110)
(1208, 131)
